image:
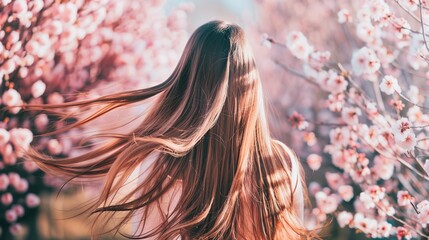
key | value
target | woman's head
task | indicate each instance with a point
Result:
(215, 79)
(208, 125)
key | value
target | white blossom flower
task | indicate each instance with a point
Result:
(411, 5)
(389, 85)
(404, 199)
(351, 115)
(409, 141)
(365, 61)
(423, 215)
(344, 218)
(401, 128)
(344, 16)
(298, 45)
(314, 161)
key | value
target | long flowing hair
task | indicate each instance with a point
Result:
(209, 126)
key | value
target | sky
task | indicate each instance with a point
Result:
(206, 10)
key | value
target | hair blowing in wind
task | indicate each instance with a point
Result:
(209, 126)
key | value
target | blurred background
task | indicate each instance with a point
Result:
(56, 51)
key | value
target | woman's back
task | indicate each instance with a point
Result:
(217, 172)
(167, 204)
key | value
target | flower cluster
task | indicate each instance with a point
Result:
(49, 50)
(374, 118)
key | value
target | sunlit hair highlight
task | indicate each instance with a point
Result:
(209, 126)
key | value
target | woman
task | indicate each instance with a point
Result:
(207, 165)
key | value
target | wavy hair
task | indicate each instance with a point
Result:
(209, 126)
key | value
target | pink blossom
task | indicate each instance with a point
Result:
(402, 27)
(336, 102)
(321, 77)
(14, 179)
(54, 147)
(369, 134)
(68, 37)
(385, 208)
(13, 37)
(344, 218)
(401, 128)
(366, 200)
(383, 229)
(54, 27)
(365, 224)
(37, 5)
(397, 104)
(10, 216)
(68, 12)
(365, 61)
(9, 156)
(310, 138)
(351, 115)
(415, 114)
(15, 229)
(38, 88)
(343, 158)
(335, 180)
(404, 199)
(337, 83)
(41, 121)
(340, 136)
(314, 161)
(389, 85)
(317, 59)
(383, 167)
(344, 16)
(409, 141)
(32, 200)
(5, 2)
(411, 5)
(20, 6)
(346, 192)
(377, 9)
(177, 19)
(326, 203)
(402, 232)
(21, 138)
(372, 196)
(386, 56)
(4, 137)
(6, 199)
(313, 188)
(21, 186)
(414, 94)
(19, 210)
(367, 32)
(28, 60)
(4, 182)
(319, 214)
(23, 72)
(423, 215)
(55, 98)
(298, 121)
(416, 61)
(298, 45)
(30, 166)
(11, 97)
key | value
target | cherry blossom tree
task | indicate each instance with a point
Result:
(50, 51)
(366, 63)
